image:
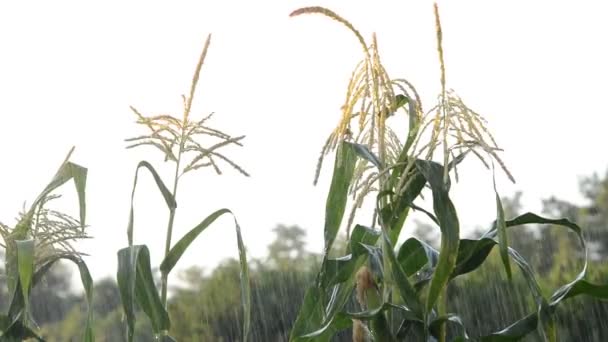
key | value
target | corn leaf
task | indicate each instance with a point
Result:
(25, 262)
(13, 330)
(435, 326)
(450, 229)
(336, 278)
(344, 168)
(501, 226)
(406, 290)
(167, 195)
(136, 285)
(87, 284)
(182, 245)
(414, 254)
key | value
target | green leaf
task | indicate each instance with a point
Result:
(414, 254)
(344, 167)
(87, 284)
(310, 314)
(503, 242)
(339, 270)
(167, 195)
(515, 331)
(589, 289)
(182, 245)
(365, 153)
(471, 254)
(25, 262)
(319, 322)
(414, 126)
(337, 278)
(136, 285)
(450, 229)
(435, 325)
(343, 320)
(396, 212)
(67, 171)
(406, 290)
(400, 101)
(13, 330)
(524, 326)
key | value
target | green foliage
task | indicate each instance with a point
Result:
(176, 139)
(417, 274)
(38, 240)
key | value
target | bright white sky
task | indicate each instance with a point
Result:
(69, 71)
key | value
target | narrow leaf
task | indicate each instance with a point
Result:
(87, 284)
(12, 330)
(344, 167)
(25, 262)
(450, 229)
(414, 254)
(167, 195)
(503, 243)
(136, 285)
(406, 290)
(182, 245)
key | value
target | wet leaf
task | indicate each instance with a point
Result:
(450, 229)
(344, 167)
(182, 245)
(167, 195)
(136, 285)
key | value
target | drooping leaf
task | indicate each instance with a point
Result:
(136, 285)
(471, 254)
(396, 212)
(66, 171)
(338, 270)
(310, 315)
(515, 331)
(167, 195)
(324, 300)
(343, 320)
(450, 229)
(182, 245)
(87, 284)
(435, 325)
(13, 330)
(365, 153)
(406, 290)
(414, 254)
(589, 289)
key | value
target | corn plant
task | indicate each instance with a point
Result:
(41, 237)
(401, 292)
(179, 142)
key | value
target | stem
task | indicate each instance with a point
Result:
(164, 276)
(442, 309)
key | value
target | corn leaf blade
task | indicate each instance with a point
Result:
(414, 254)
(182, 245)
(167, 195)
(449, 225)
(344, 168)
(87, 284)
(136, 285)
(25, 262)
(12, 330)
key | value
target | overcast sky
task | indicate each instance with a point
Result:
(69, 72)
